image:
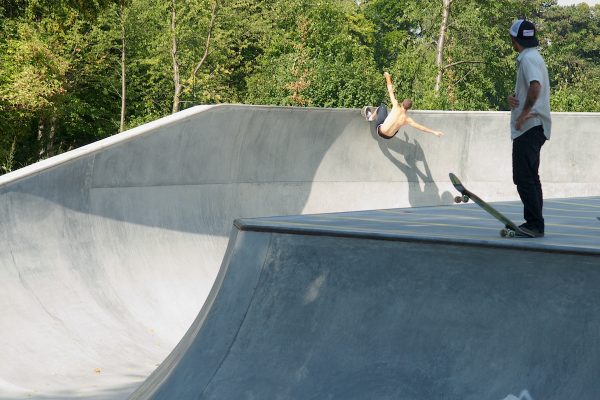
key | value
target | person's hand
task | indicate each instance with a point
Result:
(438, 133)
(388, 79)
(513, 102)
(525, 115)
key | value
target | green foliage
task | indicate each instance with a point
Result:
(318, 56)
(34, 72)
(60, 60)
(149, 67)
(9, 158)
(572, 51)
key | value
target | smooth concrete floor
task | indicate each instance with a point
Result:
(571, 224)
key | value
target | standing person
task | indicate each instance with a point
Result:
(530, 122)
(389, 124)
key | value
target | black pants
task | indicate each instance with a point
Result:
(526, 164)
(382, 114)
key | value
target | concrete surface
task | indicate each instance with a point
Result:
(410, 304)
(108, 252)
(571, 225)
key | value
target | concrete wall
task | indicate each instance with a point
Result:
(108, 252)
(320, 317)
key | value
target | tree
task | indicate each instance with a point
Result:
(439, 59)
(74, 71)
(35, 78)
(317, 55)
(571, 47)
(54, 76)
(457, 55)
(190, 13)
(123, 18)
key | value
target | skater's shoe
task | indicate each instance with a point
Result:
(536, 229)
(526, 225)
(528, 230)
(534, 232)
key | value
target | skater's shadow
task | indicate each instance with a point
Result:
(411, 160)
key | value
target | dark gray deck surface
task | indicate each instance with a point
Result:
(417, 304)
(571, 224)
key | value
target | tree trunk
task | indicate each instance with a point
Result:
(176, 76)
(213, 16)
(41, 138)
(441, 44)
(8, 164)
(51, 135)
(123, 72)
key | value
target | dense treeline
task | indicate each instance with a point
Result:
(75, 71)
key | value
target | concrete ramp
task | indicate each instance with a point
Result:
(305, 311)
(108, 252)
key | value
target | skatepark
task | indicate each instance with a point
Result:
(270, 252)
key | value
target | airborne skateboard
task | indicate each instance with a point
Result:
(510, 228)
(367, 111)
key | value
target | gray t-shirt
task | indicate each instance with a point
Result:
(531, 67)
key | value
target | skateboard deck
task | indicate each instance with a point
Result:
(510, 228)
(367, 109)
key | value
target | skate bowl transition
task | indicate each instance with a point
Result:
(110, 253)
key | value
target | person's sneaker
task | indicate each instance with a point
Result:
(534, 232)
(533, 228)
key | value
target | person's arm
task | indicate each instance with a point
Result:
(390, 88)
(532, 95)
(420, 127)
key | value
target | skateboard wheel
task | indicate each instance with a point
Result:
(507, 233)
(461, 199)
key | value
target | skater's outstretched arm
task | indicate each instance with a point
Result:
(423, 128)
(390, 89)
